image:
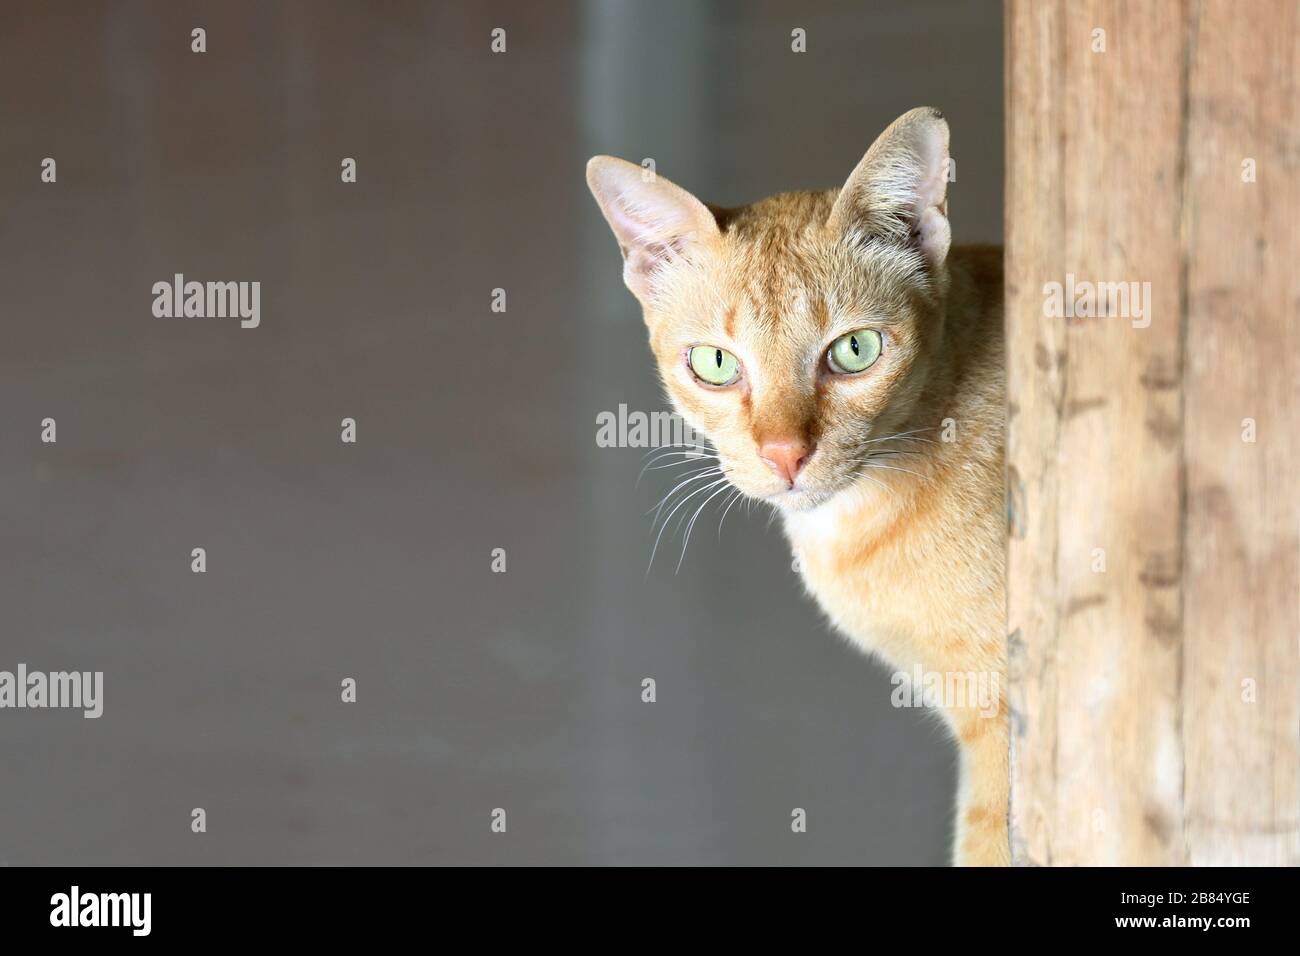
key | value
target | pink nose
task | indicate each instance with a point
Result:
(786, 458)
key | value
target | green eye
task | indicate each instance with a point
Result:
(854, 352)
(713, 365)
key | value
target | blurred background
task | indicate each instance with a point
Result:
(475, 431)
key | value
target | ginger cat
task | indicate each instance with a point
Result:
(849, 371)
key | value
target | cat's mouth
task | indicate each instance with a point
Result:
(804, 497)
(809, 490)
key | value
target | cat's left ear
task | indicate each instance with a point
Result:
(899, 191)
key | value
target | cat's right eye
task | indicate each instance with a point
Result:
(712, 365)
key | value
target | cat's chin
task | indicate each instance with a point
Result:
(797, 500)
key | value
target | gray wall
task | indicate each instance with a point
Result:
(476, 431)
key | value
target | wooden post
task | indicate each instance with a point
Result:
(1153, 444)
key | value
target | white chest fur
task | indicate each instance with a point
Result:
(824, 542)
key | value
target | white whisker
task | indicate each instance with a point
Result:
(696, 476)
(871, 464)
(671, 464)
(727, 507)
(677, 506)
(914, 431)
(876, 481)
(691, 526)
(681, 444)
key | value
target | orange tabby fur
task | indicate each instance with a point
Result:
(904, 551)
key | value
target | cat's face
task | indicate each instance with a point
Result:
(795, 333)
(791, 349)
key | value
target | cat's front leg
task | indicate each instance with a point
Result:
(982, 797)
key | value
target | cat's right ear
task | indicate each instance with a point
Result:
(653, 220)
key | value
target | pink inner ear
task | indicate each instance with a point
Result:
(654, 220)
(932, 188)
(646, 257)
(649, 220)
(653, 230)
(934, 235)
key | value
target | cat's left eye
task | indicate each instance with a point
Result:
(855, 352)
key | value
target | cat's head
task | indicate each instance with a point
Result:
(798, 331)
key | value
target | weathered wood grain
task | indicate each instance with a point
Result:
(1241, 673)
(1153, 557)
